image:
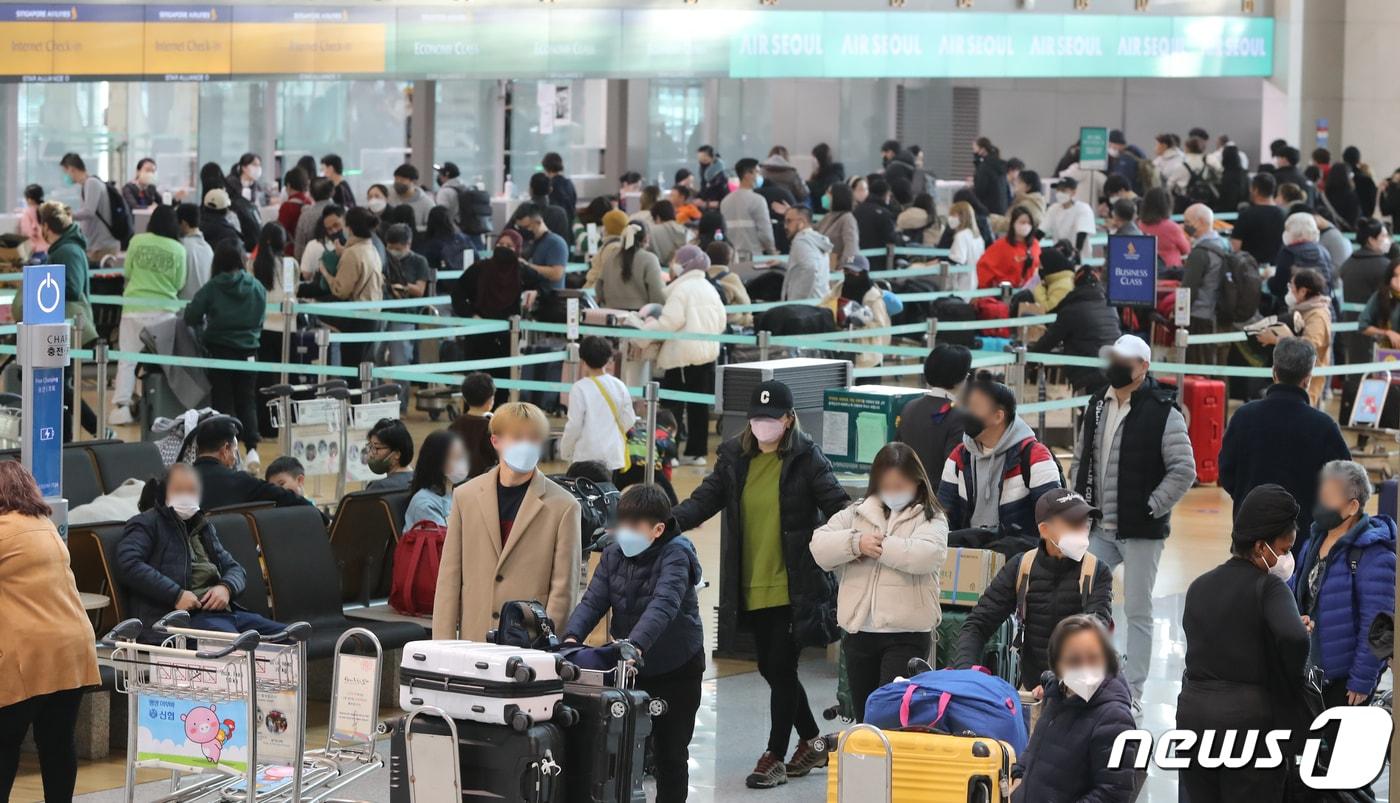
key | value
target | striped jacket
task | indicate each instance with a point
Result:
(1027, 470)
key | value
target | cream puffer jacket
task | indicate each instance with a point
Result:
(693, 306)
(898, 592)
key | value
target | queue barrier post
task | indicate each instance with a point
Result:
(1183, 340)
(763, 346)
(323, 347)
(1005, 288)
(515, 352)
(75, 341)
(651, 392)
(1019, 369)
(932, 331)
(943, 267)
(99, 356)
(1040, 396)
(573, 357)
(284, 403)
(889, 256)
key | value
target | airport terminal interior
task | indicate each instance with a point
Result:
(1145, 244)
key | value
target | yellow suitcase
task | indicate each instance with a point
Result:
(918, 767)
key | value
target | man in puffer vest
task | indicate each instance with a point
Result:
(1133, 460)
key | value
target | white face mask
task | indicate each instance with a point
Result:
(897, 501)
(1075, 545)
(457, 472)
(184, 505)
(377, 204)
(1283, 564)
(147, 178)
(254, 172)
(1063, 197)
(522, 456)
(1023, 230)
(1291, 299)
(1084, 681)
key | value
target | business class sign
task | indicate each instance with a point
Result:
(52, 42)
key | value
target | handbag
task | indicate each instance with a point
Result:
(617, 421)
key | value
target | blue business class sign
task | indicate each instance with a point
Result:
(1131, 270)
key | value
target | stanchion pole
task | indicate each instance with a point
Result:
(573, 360)
(763, 337)
(932, 332)
(99, 356)
(284, 403)
(75, 341)
(651, 392)
(1005, 288)
(1040, 395)
(323, 348)
(889, 256)
(515, 352)
(288, 319)
(366, 379)
(1020, 366)
(944, 268)
(1183, 339)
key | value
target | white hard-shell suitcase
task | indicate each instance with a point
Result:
(484, 682)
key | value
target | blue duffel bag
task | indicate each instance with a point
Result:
(956, 701)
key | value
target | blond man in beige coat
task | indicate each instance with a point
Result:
(513, 535)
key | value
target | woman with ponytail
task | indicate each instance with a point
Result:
(630, 276)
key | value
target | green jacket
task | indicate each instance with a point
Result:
(70, 251)
(155, 267)
(231, 307)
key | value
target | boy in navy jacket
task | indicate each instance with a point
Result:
(648, 577)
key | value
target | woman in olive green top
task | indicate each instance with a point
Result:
(774, 487)
(155, 273)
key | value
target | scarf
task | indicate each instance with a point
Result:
(498, 285)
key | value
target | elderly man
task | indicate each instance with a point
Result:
(1133, 461)
(1202, 271)
(1282, 438)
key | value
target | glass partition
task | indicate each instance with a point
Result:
(675, 109)
(563, 116)
(365, 122)
(466, 130)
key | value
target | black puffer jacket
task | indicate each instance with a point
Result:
(153, 561)
(1085, 324)
(810, 494)
(1053, 595)
(1067, 758)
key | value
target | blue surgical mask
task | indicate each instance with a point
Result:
(631, 542)
(67, 180)
(758, 182)
(522, 456)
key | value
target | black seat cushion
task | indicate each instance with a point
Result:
(391, 635)
(119, 462)
(80, 482)
(365, 528)
(301, 568)
(236, 534)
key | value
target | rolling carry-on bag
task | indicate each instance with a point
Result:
(496, 763)
(1388, 498)
(607, 747)
(480, 682)
(911, 766)
(1204, 402)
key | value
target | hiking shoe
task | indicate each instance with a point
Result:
(120, 416)
(806, 758)
(769, 772)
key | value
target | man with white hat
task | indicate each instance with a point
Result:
(1133, 460)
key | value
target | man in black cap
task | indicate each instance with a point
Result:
(1123, 159)
(933, 423)
(1056, 580)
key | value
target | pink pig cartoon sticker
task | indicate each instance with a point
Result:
(202, 727)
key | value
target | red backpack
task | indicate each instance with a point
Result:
(416, 561)
(992, 309)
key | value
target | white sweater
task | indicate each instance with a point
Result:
(592, 431)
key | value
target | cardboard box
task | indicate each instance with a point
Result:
(858, 420)
(966, 574)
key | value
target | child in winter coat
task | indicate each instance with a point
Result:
(888, 551)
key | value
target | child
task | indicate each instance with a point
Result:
(663, 455)
(600, 410)
(647, 576)
(288, 473)
(474, 425)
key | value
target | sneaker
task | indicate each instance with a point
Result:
(252, 462)
(692, 461)
(769, 772)
(806, 758)
(120, 415)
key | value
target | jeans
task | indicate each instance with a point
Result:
(235, 393)
(874, 659)
(54, 718)
(671, 732)
(1140, 557)
(234, 621)
(778, 652)
(692, 379)
(129, 339)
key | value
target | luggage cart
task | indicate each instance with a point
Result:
(351, 750)
(320, 431)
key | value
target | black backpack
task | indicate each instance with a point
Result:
(717, 282)
(1200, 190)
(952, 308)
(1241, 289)
(122, 225)
(473, 210)
(597, 502)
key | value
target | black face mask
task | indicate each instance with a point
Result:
(973, 427)
(1327, 518)
(855, 285)
(1120, 375)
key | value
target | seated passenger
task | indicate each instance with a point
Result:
(170, 559)
(442, 465)
(389, 451)
(216, 447)
(473, 426)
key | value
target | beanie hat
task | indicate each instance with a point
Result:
(690, 257)
(1053, 260)
(614, 221)
(1267, 512)
(947, 365)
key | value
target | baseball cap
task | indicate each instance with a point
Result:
(857, 263)
(1116, 137)
(1064, 504)
(217, 198)
(770, 399)
(1128, 347)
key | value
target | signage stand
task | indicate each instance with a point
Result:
(43, 355)
(1093, 156)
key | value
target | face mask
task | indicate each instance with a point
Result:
(1283, 564)
(631, 542)
(402, 189)
(1063, 197)
(973, 427)
(758, 182)
(897, 501)
(1120, 375)
(1327, 518)
(67, 180)
(379, 465)
(1084, 681)
(184, 505)
(1023, 230)
(767, 430)
(147, 178)
(1291, 300)
(502, 254)
(255, 172)
(396, 254)
(1075, 545)
(377, 204)
(522, 456)
(457, 472)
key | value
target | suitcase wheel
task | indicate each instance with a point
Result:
(519, 671)
(617, 710)
(567, 672)
(657, 707)
(520, 721)
(821, 744)
(565, 716)
(831, 713)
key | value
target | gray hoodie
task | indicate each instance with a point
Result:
(809, 267)
(987, 472)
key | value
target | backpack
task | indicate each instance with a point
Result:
(992, 309)
(717, 282)
(417, 558)
(473, 210)
(524, 624)
(122, 226)
(1147, 175)
(1241, 289)
(1026, 446)
(956, 701)
(951, 309)
(1199, 188)
(597, 503)
(1087, 566)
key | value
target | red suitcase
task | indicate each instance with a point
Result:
(1204, 403)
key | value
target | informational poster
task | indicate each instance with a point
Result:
(355, 714)
(183, 733)
(1093, 148)
(278, 724)
(1131, 270)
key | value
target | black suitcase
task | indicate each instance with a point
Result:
(607, 746)
(497, 763)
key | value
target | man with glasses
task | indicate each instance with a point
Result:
(389, 451)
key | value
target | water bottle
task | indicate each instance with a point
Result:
(479, 182)
(509, 187)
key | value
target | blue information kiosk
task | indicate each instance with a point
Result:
(43, 354)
